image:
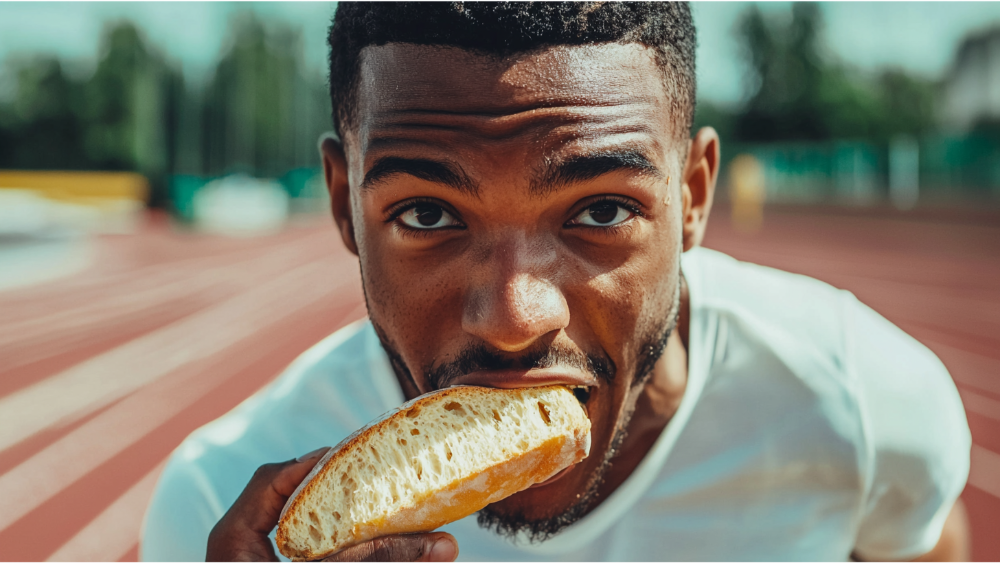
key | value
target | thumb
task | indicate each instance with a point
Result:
(264, 497)
(434, 546)
(241, 533)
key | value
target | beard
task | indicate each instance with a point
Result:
(479, 357)
(514, 524)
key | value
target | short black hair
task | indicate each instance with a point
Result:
(505, 28)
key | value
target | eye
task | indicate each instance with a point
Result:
(427, 216)
(605, 213)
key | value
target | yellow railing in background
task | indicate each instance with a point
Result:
(78, 187)
(33, 202)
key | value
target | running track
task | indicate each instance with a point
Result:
(105, 372)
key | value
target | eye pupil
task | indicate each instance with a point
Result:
(428, 215)
(603, 212)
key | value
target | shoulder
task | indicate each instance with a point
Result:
(910, 404)
(338, 385)
(815, 329)
(917, 437)
(799, 318)
(915, 421)
(862, 394)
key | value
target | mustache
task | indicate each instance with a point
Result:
(480, 358)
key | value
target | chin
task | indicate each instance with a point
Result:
(540, 512)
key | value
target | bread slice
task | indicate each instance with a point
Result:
(436, 459)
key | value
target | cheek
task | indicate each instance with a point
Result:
(621, 306)
(414, 300)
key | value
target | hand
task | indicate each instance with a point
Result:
(242, 533)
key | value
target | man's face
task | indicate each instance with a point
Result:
(518, 223)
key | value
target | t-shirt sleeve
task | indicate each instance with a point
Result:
(182, 512)
(918, 439)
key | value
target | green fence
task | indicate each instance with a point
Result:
(856, 172)
(304, 186)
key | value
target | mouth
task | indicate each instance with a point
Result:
(535, 377)
(582, 393)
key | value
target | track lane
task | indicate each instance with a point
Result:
(938, 281)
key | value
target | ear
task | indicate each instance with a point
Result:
(335, 170)
(698, 190)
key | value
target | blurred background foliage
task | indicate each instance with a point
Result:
(824, 131)
(260, 113)
(796, 92)
(819, 129)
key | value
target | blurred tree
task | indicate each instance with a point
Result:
(721, 118)
(41, 126)
(787, 77)
(262, 111)
(128, 107)
(908, 104)
(117, 119)
(796, 92)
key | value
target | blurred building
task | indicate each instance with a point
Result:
(971, 90)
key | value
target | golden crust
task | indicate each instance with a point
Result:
(427, 513)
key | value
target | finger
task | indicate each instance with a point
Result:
(261, 502)
(241, 534)
(435, 546)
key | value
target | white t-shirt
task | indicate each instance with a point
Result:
(810, 427)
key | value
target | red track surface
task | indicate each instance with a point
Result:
(104, 373)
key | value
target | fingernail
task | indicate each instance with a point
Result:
(312, 455)
(443, 550)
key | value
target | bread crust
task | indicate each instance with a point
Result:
(435, 508)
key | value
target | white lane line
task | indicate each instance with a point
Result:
(109, 536)
(123, 298)
(984, 473)
(979, 404)
(30, 263)
(124, 324)
(102, 379)
(117, 264)
(71, 297)
(47, 473)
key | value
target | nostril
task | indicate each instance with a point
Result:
(513, 310)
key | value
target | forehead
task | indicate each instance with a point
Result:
(555, 100)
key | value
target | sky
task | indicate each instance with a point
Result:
(920, 37)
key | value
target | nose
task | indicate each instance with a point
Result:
(515, 302)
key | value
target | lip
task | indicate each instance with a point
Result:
(554, 478)
(517, 378)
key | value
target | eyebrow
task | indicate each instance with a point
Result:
(590, 166)
(430, 170)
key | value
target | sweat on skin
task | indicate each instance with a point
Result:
(516, 152)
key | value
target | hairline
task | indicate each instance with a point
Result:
(347, 120)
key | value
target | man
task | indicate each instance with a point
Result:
(519, 184)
